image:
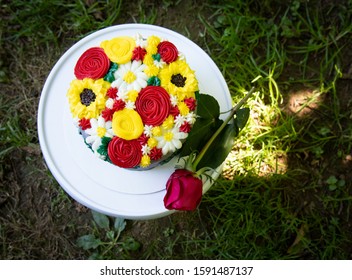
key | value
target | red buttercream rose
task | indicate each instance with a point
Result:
(168, 51)
(93, 64)
(124, 153)
(183, 191)
(153, 105)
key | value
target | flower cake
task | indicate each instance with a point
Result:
(133, 100)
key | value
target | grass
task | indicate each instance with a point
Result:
(285, 192)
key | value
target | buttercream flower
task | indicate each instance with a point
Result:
(87, 97)
(151, 70)
(140, 41)
(93, 63)
(183, 191)
(179, 120)
(153, 105)
(119, 49)
(191, 103)
(130, 76)
(155, 153)
(84, 123)
(124, 153)
(145, 149)
(138, 53)
(145, 161)
(168, 51)
(168, 123)
(179, 79)
(191, 118)
(99, 129)
(152, 44)
(127, 124)
(152, 142)
(183, 108)
(170, 140)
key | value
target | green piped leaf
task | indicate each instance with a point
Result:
(109, 77)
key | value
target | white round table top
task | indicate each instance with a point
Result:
(97, 184)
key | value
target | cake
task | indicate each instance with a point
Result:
(133, 100)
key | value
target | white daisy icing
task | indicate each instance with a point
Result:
(130, 76)
(170, 141)
(99, 129)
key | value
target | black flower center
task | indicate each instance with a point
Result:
(87, 96)
(178, 80)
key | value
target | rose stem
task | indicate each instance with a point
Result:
(217, 132)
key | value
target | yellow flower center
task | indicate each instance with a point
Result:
(127, 124)
(101, 131)
(129, 77)
(168, 136)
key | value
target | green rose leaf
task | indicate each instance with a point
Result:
(201, 132)
(242, 116)
(101, 220)
(221, 147)
(207, 107)
(88, 242)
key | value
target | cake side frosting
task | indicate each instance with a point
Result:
(133, 100)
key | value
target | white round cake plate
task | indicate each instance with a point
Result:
(97, 184)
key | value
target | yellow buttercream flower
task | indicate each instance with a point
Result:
(148, 60)
(119, 49)
(156, 131)
(169, 122)
(183, 108)
(87, 97)
(151, 70)
(179, 79)
(127, 124)
(152, 142)
(145, 161)
(152, 44)
(132, 95)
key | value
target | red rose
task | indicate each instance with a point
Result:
(153, 105)
(168, 51)
(183, 191)
(93, 64)
(124, 153)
